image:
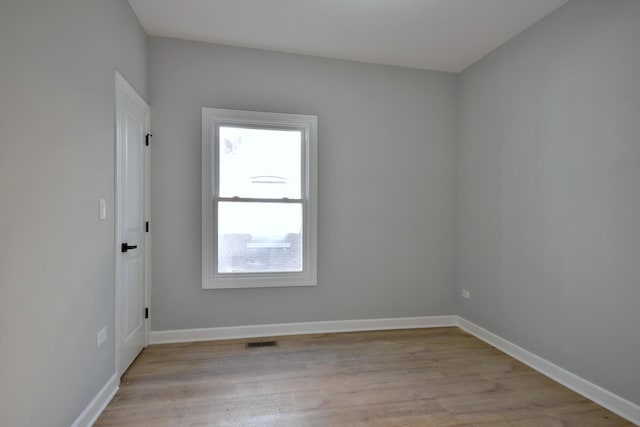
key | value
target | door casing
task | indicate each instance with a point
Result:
(122, 87)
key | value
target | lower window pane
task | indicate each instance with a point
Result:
(259, 237)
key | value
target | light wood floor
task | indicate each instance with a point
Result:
(420, 377)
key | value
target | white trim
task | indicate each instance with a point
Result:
(599, 395)
(147, 235)
(212, 118)
(281, 329)
(93, 410)
(122, 87)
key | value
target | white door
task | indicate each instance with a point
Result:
(132, 127)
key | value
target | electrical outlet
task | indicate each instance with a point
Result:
(102, 336)
(465, 294)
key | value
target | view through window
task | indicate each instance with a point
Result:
(259, 204)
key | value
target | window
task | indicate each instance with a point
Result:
(258, 199)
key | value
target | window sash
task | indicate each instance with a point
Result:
(212, 120)
(216, 236)
(304, 190)
(218, 199)
(258, 200)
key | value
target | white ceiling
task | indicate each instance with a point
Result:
(444, 35)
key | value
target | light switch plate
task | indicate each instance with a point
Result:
(102, 209)
(101, 337)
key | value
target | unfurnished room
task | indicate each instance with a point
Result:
(319, 213)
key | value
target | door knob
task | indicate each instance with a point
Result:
(125, 247)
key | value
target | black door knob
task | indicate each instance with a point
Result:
(125, 247)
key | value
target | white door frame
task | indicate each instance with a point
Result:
(123, 87)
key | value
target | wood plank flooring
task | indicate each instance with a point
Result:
(418, 377)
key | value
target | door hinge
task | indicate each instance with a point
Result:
(148, 138)
(146, 312)
(146, 226)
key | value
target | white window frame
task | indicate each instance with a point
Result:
(212, 119)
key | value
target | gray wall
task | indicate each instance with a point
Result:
(549, 191)
(386, 184)
(548, 202)
(57, 61)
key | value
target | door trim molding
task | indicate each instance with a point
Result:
(122, 86)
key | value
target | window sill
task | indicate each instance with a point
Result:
(271, 281)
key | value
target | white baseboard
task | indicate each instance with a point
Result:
(93, 410)
(281, 329)
(605, 398)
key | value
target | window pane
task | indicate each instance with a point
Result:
(259, 237)
(260, 163)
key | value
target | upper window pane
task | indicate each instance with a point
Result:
(260, 163)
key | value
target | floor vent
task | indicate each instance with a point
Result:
(262, 344)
